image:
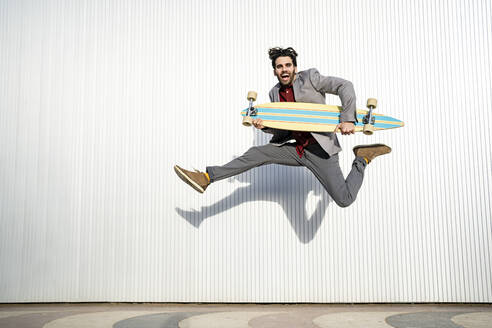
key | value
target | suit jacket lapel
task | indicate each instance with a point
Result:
(276, 97)
(296, 87)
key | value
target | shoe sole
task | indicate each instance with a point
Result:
(188, 180)
(374, 145)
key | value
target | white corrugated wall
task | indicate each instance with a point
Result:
(99, 99)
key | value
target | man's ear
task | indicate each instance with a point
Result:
(274, 72)
(295, 70)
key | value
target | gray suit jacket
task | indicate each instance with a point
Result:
(311, 87)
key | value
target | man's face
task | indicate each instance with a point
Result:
(285, 71)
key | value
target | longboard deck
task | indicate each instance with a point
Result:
(296, 116)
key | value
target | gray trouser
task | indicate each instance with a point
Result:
(325, 168)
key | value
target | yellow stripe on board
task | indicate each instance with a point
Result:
(331, 109)
(312, 127)
(312, 107)
(300, 115)
(324, 117)
(302, 106)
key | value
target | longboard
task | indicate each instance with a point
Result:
(296, 116)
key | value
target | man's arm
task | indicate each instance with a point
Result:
(340, 87)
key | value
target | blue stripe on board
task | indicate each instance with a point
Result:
(297, 111)
(380, 118)
(381, 125)
(317, 120)
(320, 113)
(297, 119)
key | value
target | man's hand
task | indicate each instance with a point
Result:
(346, 128)
(258, 123)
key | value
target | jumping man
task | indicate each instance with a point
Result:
(318, 151)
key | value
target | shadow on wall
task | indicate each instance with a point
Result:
(287, 186)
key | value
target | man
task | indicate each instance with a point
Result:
(316, 151)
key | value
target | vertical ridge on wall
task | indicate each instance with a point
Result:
(99, 100)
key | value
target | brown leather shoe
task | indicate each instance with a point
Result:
(197, 180)
(371, 151)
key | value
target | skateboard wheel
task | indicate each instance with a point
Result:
(368, 129)
(372, 102)
(247, 121)
(252, 96)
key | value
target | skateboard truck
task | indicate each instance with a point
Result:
(247, 120)
(368, 119)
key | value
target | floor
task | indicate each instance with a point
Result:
(165, 315)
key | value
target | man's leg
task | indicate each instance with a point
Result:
(254, 157)
(327, 170)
